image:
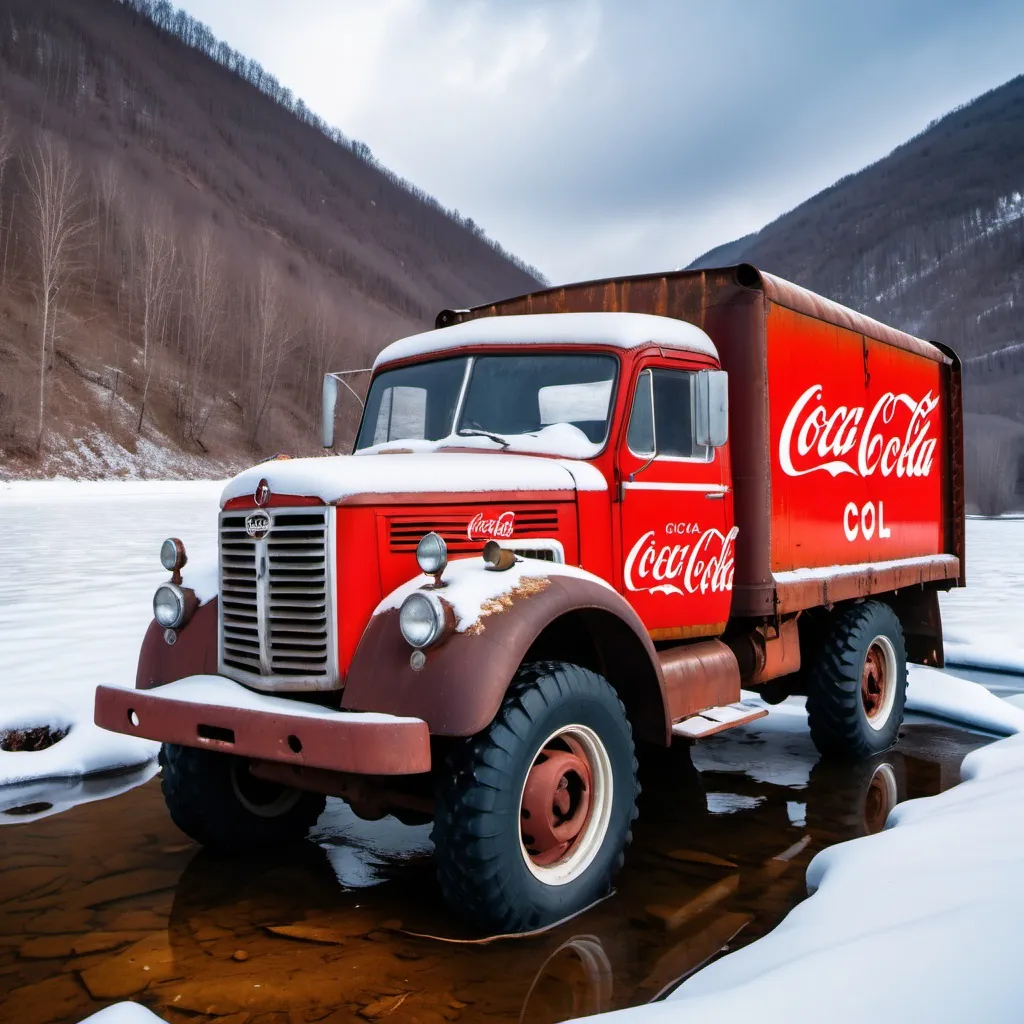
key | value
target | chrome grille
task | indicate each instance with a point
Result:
(276, 614)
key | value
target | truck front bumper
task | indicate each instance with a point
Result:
(216, 713)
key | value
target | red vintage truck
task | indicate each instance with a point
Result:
(573, 526)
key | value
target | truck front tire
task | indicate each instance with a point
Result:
(534, 813)
(213, 798)
(857, 684)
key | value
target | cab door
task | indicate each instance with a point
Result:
(677, 532)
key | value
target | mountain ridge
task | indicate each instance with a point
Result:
(320, 255)
(930, 239)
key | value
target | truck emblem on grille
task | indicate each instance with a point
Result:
(257, 525)
(262, 494)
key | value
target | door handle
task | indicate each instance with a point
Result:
(714, 495)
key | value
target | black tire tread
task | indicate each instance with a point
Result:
(834, 682)
(471, 881)
(197, 790)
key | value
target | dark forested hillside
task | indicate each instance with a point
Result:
(185, 247)
(930, 239)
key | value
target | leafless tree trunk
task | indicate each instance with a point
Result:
(204, 298)
(156, 276)
(268, 338)
(56, 203)
(6, 152)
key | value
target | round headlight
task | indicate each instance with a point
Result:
(172, 554)
(432, 554)
(421, 619)
(169, 606)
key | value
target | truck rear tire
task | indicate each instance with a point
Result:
(534, 813)
(857, 684)
(213, 798)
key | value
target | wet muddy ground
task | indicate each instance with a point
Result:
(108, 901)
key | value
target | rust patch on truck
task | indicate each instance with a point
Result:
(526, 587)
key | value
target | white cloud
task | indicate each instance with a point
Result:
(597, 137)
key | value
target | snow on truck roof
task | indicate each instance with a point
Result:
(620, 330)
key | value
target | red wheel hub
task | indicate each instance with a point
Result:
(556, 801)
(873, 681)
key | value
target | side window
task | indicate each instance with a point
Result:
(671, 430)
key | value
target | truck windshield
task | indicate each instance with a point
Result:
(553, 403)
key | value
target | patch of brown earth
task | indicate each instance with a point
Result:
(38, 738)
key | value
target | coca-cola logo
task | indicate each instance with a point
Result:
(483, 527)
(895, 437)
(705, 565)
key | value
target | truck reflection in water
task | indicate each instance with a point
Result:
(106, 902)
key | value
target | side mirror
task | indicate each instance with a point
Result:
(330, 400)
(711, 429)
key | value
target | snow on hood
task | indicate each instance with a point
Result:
(336, 477)
(620, 330)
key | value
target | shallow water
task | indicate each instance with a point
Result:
(109, 901)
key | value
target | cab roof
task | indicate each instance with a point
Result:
(618, 330)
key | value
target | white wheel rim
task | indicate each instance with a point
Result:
(585, 847)
(880, 717)
(882, 796)
(285, 800)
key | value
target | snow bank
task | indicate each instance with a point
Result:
(989, 657)
(619, 330)
(85, 750)
(937, 693)
(124, 1013)
(923, 921)
(336, 477)
(30, 801)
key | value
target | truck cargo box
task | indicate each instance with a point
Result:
(845, 434)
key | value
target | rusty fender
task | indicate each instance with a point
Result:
(460, 687)
(193, 653)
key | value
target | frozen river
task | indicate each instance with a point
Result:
(78, 567)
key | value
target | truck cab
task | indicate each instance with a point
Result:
(541, 558)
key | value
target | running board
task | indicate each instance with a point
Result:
(707, 723)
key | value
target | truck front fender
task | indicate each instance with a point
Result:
(194, 652)
(546, 612)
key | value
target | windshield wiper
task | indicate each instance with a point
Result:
(472, 432)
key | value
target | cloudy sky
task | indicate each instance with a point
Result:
(601, 137)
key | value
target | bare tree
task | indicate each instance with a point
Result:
(108, 194)
(7, 140)
(323, 345)
(267, 340)
(56, 204)
(156, 278)
(205, 292)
